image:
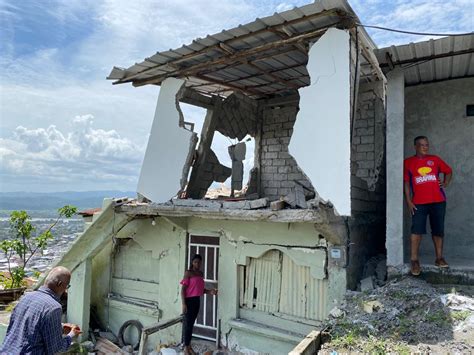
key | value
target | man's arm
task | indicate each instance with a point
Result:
(411, 205)
(447, 180)
(52, 333)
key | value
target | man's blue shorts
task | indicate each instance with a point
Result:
(436, 212)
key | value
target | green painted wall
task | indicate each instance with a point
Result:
(166, 244)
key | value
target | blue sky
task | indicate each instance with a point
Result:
(64, 127)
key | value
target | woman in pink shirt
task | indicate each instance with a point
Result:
(191, 291)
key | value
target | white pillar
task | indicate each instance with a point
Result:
(79, 297)
(395, 144)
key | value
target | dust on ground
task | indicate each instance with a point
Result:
(404, 316)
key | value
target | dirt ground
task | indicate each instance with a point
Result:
(404, 316)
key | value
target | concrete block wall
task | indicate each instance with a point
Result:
(368, 151)
(367, 224)
(279, 170)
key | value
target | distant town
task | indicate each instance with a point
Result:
(42, 208)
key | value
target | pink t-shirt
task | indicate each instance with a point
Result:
(194, 286)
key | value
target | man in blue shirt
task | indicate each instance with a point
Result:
(35, 325)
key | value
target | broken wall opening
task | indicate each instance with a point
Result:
(235, 118)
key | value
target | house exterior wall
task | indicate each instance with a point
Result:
(305, 243)
(438, 111)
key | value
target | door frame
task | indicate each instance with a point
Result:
(214, 280)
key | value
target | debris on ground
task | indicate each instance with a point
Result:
(404, 316)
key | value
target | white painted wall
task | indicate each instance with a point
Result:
(321, 136)
(169, 148)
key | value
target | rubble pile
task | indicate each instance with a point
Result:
(403, 316)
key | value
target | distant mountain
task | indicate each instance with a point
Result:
(54, 200)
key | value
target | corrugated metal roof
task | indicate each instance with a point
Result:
(434, 60)
(249, 58)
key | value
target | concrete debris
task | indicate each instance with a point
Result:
(336, 312)
(296, 198)
(367, 284)
(105, 346)
(277, 205)
(407, 315)
(376, 267)
(237, 155)
(246, 205)
(211, 205)
(372, 306)
(458, 302)
(252, 187)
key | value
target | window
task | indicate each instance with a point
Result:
(274, 284)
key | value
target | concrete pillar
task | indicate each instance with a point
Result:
(79, 297)
(395, 154)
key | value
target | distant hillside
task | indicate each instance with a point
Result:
(54, 200)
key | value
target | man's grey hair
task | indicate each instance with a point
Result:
(56, 275)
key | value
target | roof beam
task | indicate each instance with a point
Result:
(429, 57)
(238, 56)
(337, 12)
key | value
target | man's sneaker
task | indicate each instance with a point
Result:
(415, 268)
(441, 263)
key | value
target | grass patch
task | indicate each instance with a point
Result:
(460, 315)
(440, 318)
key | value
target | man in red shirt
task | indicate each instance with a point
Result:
(424, 192)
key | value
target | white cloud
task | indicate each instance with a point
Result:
(85, 154)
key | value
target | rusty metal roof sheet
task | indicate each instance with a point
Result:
(433, 60)
(248, 57)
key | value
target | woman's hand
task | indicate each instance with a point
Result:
(184, 308)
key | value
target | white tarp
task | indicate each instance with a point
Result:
(169, 148)
(320, 142)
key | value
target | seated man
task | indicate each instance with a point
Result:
(35, 325)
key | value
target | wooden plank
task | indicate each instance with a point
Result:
(309, 345)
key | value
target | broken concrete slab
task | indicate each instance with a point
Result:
(277, 205)
(296, 198)
(322, 129)
(237, 155)
(170, 148)
(211, 205)
(245, 205)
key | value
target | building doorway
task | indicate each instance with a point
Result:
(208, 247)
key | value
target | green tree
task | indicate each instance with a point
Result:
(24, 244)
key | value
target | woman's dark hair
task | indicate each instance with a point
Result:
(195, 256)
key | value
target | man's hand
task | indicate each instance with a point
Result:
(411, 207)
(213, 291)
(443, 184)
(71, 329)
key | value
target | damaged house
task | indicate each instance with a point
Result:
(306, 85)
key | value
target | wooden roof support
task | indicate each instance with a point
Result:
(238, 56)
(336, 12)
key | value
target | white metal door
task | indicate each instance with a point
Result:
(208, 247)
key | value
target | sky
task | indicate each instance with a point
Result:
(64, 127)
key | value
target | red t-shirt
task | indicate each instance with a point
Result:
(422, 173)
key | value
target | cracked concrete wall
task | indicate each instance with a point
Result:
(321, 139)
(438, 111)
(170, 148)
(164, 244)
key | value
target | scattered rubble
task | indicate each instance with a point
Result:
(403, 316)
